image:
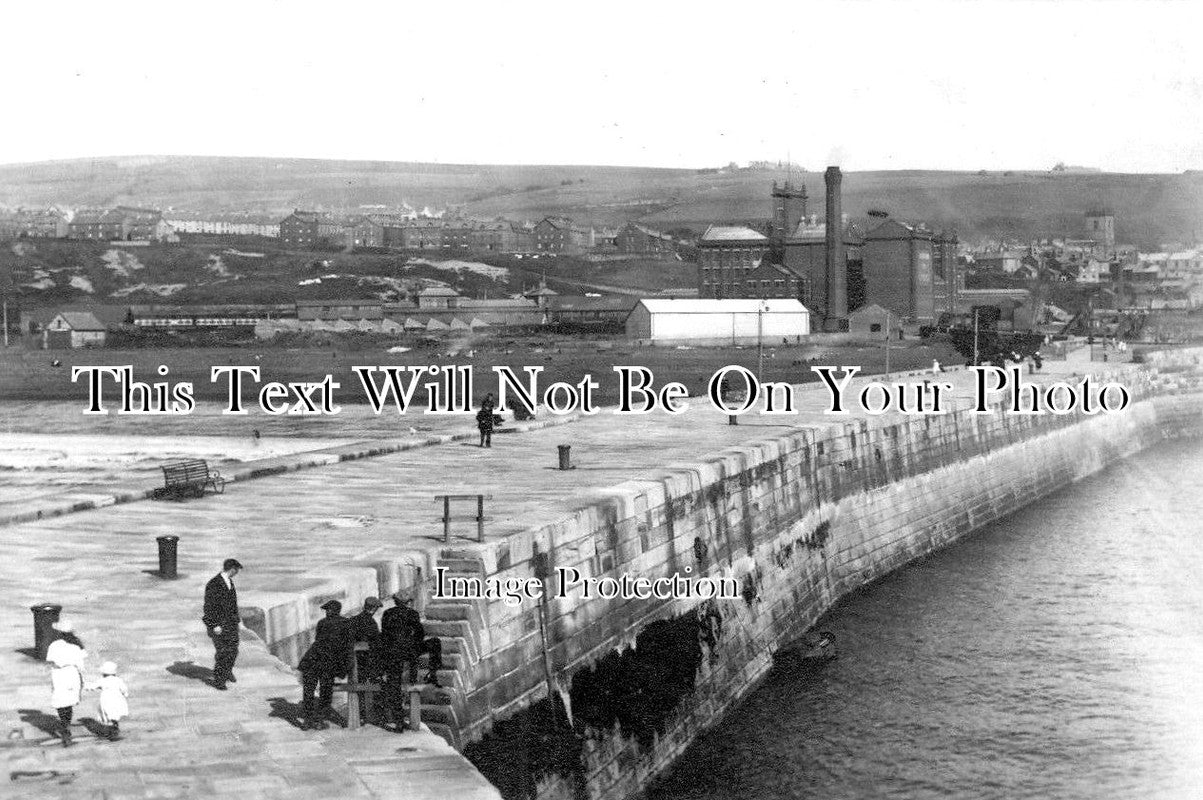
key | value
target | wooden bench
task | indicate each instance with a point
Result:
(358, 686)
(189, 479)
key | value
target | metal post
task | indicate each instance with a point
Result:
(759, 340)
(446, 519)
(565, 456)
(168, 556)
(480, 517)
(975, 310)
(44, 617)
(6, 320)
(353, 721)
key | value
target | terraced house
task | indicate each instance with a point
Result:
(41, 223)
(560, 235)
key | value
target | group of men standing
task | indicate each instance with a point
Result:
(392, 652)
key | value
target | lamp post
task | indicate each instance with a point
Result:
(760, 338)
(975, 310)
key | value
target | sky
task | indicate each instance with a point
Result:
(865, 84)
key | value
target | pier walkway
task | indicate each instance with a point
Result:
(294, 532)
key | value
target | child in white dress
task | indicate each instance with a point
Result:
(113, 705)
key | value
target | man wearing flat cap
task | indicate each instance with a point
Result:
(221, 620)
(326, 659)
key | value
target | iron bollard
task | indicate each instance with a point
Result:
(167, 556)
(732, 419)
(44, 617)
(565, 458)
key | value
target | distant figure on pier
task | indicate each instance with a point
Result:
(484, 422)
(255, 437)
(222, 621)
(935, 367)
(325, 660)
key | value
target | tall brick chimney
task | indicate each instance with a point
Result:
(835, 316)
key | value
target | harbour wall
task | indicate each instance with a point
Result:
(576, 697)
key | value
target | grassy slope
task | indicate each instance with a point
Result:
(1149, 208)
(274, 278)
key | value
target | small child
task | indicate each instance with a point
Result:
(113, 704)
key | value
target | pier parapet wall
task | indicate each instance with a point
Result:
(592, 697)
(577, 696)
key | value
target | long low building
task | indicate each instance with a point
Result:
(718, 322)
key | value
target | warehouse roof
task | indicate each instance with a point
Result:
(691, 306)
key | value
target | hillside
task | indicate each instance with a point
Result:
(50, 274)
(1149, 208)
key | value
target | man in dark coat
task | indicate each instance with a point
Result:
(364, 629)
(402, 636)
(326, 659)
(484, 422)
(221, 620)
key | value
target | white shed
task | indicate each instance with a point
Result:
(718, 322)
(73, 329)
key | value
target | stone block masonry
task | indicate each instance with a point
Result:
(574, 697)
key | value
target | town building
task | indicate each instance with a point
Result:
(226, 315)
(98, 224)
(456, 235)
(1094, 271)
(417, 234)
(718, 321)
(1100, 227)
(313, 229)
(806, 256)
(789, 209)
(365, 231)
(637, 239)
(873, 320)
(71, 329)
(489, 237)
(603, 238)
(225, 224)
(898, 270)
(1005, 262)
(560, 235)
(43, 223)
(143, 224)
(438, 297)
(1006, 309)
(588, 311)
(726, 256)
(299, 229)
(948, 277)
(332, 310)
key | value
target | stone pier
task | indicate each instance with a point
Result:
(796, 510)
